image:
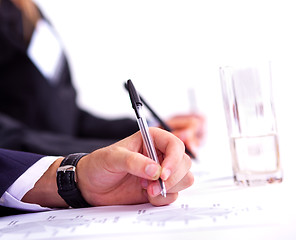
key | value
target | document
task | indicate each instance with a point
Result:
(205, 210)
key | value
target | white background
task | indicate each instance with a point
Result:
(169, 47)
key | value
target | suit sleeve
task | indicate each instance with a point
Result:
(17, 136)
(93, 126)
(14, 164)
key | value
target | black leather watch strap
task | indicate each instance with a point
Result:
(66, 181)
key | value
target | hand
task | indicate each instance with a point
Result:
(189, 128)
(122, 174)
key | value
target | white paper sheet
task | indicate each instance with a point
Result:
(208, 210)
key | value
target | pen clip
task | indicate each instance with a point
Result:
(134, 96)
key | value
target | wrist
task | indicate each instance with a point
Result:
(84, 184)
(45, 189)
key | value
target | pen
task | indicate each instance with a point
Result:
(137, 106)
(161, 122)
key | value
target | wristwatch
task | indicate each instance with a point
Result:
(66, 181)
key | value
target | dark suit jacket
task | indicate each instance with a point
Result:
(12, 165)
(36, 115)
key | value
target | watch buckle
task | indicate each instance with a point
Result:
(67, 168)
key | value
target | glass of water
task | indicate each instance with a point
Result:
(251, 123)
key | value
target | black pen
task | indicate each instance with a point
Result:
(161, 122)
(137, 106)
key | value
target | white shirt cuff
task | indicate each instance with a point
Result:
(12, 197)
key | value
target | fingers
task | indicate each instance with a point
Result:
(175, 164)
(186, 182)
(154, 189)
(133, 163)
(175, 168)
(175, 172)
(171, 147)
(156, 199)
(195, 122)
(117, 168)
(189, 128)
(161, 201)
(127, 156)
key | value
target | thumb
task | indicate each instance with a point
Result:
(134, 163)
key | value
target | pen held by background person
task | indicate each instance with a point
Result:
(190, 128)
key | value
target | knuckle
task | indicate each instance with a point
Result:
(189, 179)
(181, 145)
(188, 161)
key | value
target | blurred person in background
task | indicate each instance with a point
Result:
(38, 109)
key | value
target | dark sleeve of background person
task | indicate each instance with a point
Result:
(15, 135)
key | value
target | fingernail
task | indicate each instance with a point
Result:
(165, 174)
(152, 170)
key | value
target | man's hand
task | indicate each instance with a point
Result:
(123, 174)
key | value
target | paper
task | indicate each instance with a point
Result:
(202, 210)
(140, 219)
